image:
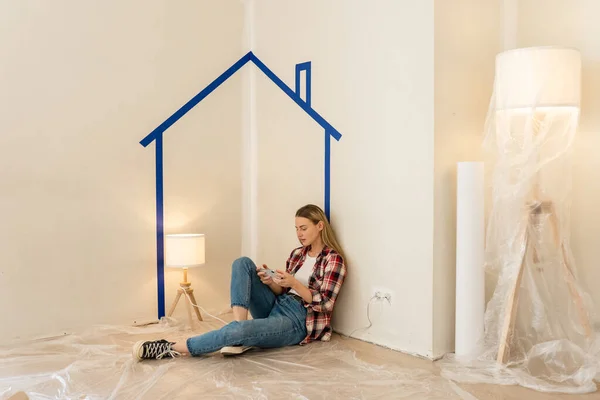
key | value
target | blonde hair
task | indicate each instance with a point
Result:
(315, 215)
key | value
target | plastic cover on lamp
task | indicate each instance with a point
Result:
(542, 77)
(530, 126)
(184, 250)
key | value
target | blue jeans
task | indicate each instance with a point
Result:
(278, 321)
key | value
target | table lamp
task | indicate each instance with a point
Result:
(534, 118)
(186, 250)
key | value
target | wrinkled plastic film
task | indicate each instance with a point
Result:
(97, 364)
(552, 346)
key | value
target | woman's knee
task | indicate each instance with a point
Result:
(243, 263)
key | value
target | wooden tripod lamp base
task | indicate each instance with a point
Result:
(184, 251)
(540, 211)
(190, 300)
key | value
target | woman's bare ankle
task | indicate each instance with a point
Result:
(240, 313)
(181, 347)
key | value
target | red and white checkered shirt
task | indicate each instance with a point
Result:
(324, 283)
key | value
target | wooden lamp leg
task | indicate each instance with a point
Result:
(511, 310)
(172, 309)
(193, 298)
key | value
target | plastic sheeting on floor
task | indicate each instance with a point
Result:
(98, 364)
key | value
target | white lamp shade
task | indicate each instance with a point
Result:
(538, 77)
(184, 250)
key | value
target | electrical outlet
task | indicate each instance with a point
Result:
(383, 294)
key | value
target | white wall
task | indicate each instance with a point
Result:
(290, 168)
(408, 91)
(82, 83)
(575, 23)
(467, 39)
(372, 71)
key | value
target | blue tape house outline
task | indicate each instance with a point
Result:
(157, 136)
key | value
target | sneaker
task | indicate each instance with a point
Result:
(235, 350)
(156, 349)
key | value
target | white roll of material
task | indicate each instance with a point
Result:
(470, 242)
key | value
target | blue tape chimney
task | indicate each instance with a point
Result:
(299, 68)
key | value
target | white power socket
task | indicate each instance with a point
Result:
(383, 294)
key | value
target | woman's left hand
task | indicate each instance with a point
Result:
(285, 279)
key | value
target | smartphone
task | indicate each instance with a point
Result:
(270, 272)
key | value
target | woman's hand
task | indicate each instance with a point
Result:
(285, 279)
(264, 278)
(267, 280)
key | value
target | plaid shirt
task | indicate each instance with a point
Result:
(324, 283)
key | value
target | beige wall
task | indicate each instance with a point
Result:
(408, 90)
(467, 39)
(373, 80)
(82, 83)
(575, 23)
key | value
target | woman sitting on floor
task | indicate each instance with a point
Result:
(293, 308)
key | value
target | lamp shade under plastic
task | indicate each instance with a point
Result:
(184, 250)
(538, 77)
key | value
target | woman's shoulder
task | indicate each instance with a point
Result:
(331, 254)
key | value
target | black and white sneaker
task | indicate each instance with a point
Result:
(157, 349)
